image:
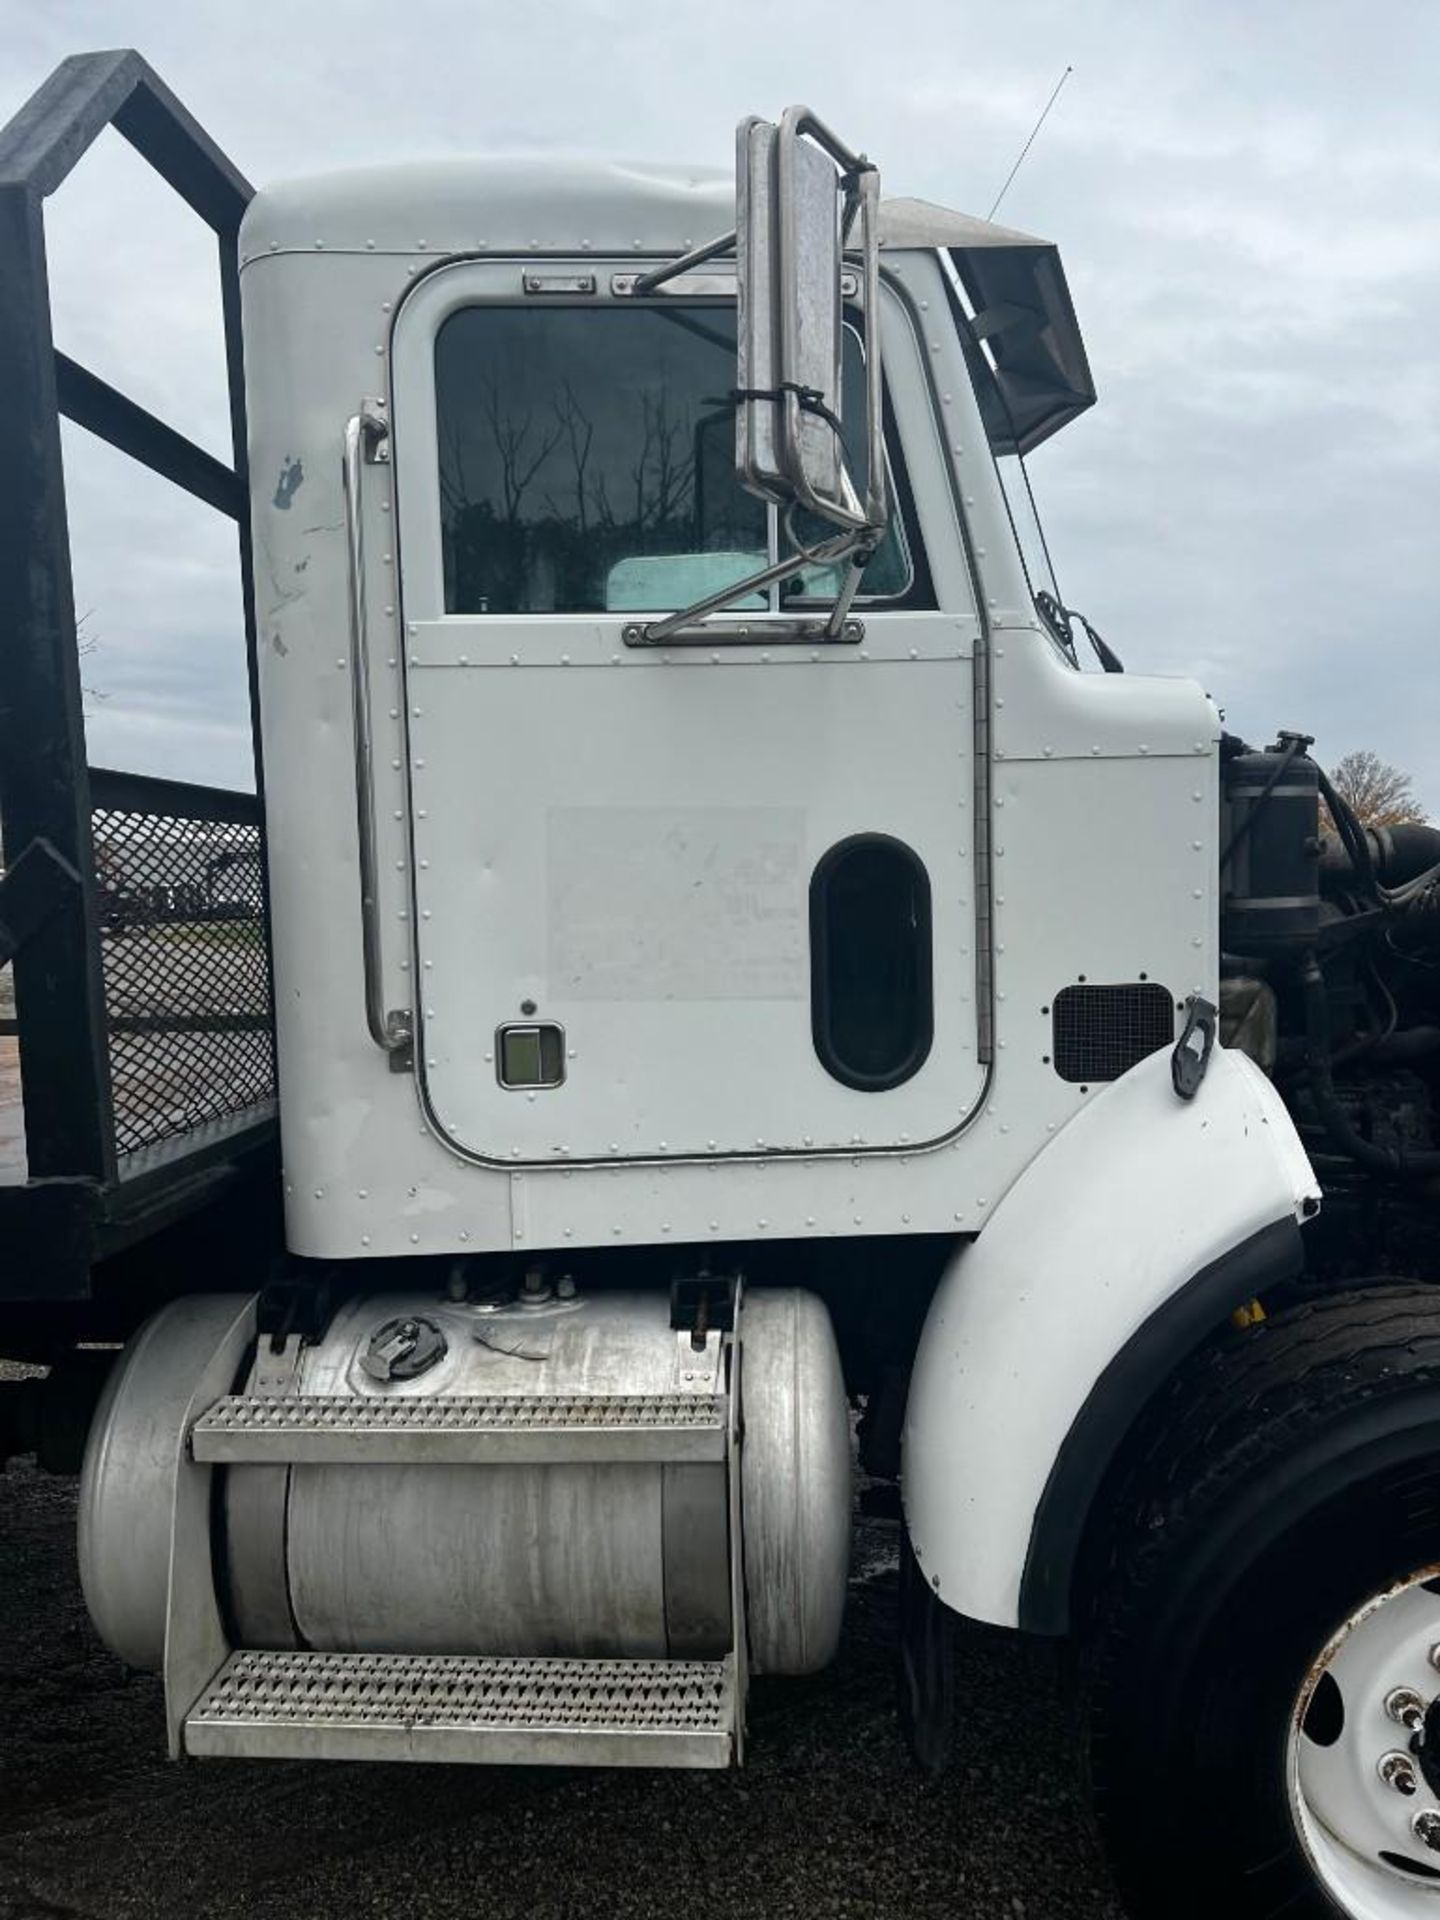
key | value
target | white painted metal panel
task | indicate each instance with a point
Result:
(631, 854)
(1102, 867)
(1139, 1194)
(621, 842)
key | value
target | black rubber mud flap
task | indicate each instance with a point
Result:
(926, 1667)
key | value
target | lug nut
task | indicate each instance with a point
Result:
(1426, 1828)
(1397, 1770)
(1406, 1707)
(1435, 1656)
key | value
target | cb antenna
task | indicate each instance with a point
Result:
(1044, 115)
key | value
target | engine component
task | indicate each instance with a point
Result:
(1374, 1156)
(1332, 963)
(1249, 1018)
(1270, 866)
(554, 1481)
(1399, 855)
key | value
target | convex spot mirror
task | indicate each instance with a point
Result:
(800, 194)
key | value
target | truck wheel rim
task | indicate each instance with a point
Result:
(1363, 1757)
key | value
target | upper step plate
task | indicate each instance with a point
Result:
(343, 1706)
(469, 1429)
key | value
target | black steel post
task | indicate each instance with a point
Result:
(44, 780)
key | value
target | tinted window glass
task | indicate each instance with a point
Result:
(586, 459)
(888, 574)
(1009, 462)
(870, 955)
(587, 464)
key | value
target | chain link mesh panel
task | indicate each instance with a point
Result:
(184, 952)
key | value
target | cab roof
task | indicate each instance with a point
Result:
(1015, 283)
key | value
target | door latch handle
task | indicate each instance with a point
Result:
(1193, 1049)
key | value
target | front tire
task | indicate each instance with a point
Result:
(1241, 1659)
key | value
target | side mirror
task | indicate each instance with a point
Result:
(798, 192)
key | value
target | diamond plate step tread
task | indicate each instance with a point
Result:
(450, 1707)
(495, 1429)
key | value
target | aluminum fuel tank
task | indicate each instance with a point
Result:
(603, 1556)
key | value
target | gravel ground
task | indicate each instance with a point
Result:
(827, 1818)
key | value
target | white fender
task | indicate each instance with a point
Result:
(1138, 1195)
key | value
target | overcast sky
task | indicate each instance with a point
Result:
(1247, 199)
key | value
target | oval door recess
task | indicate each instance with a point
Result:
(871, 974)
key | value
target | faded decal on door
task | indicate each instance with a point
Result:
(689, 903)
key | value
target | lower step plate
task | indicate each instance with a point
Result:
(381, 1706)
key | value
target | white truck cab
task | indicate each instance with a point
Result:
(737, 966)
(725, 932)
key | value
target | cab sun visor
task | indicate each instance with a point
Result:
(1017, 291)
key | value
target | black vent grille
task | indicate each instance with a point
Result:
(1101, 1032)
(186, 967)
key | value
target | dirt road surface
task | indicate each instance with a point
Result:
(826, 1819)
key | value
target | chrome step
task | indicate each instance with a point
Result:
(382, 1706)
(469, 1429)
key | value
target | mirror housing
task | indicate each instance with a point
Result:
(798, 191)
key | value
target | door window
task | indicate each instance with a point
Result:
(587, 464)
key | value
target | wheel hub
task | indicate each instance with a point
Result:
(1363, 1766)
(1426, 1745)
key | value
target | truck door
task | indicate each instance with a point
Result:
(704, 898)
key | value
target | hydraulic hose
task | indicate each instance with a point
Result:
(1353, 837)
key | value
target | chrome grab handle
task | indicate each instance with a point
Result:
(367, 440)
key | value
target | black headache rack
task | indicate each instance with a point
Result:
(132, 910)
